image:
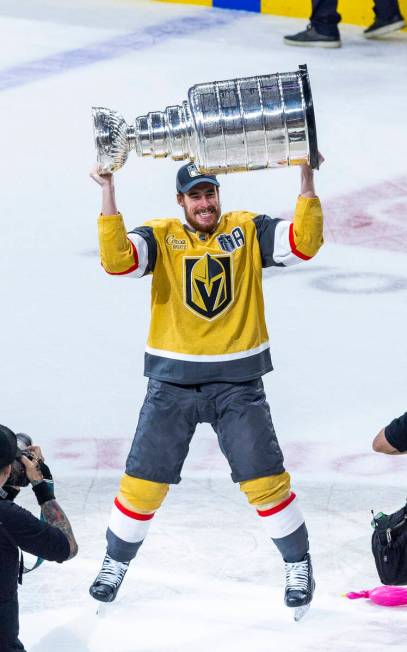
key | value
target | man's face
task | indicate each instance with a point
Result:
(201, 207)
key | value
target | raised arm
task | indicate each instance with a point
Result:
(307, 179)
(106, 182)
(118, 254)
(306, 231)
(285, 243)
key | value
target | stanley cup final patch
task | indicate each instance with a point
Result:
(208, 284)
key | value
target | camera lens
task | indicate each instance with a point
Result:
(23, 440)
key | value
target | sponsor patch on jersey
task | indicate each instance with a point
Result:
(208, 284)
(175, 243)
(231, 241)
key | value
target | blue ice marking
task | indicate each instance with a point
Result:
(118, 46)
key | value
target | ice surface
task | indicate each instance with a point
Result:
(72, 338)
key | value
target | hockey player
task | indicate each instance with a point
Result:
(206, 354)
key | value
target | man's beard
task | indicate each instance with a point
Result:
(209, 227)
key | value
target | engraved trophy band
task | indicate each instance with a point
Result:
(236, 125)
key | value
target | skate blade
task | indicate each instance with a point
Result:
(101, 609)
(299, 612)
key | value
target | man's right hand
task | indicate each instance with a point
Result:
(32, 469)
(102, 178)
(106, 182)
(307, 178)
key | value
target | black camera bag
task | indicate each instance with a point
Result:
(389, 546)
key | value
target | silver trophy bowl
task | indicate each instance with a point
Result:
(237, 125)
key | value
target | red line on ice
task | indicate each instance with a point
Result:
(374, 216)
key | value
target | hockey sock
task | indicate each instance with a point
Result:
(284, 523)
(295, 546)
(126, 531)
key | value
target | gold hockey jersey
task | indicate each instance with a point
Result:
(207, 309)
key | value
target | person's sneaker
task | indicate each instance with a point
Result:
(299, 583)
(382, 27)
(109, 579)
(311, 38)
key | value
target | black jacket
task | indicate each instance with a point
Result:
(396, 433)
(20, 529)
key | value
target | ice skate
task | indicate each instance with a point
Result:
(109, 579)
(299, 587)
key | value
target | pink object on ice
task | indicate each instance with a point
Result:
(388, 596)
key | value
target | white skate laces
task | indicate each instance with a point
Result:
(296, 575)
(112, 572)
(109, 579)
(300, 585)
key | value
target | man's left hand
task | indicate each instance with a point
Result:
(36, 452)
(32, 469)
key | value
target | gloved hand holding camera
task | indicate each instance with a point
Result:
(29, 467)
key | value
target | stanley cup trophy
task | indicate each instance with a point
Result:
(237, 125)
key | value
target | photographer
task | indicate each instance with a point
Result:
(389, 538)
(393, 438)
(52, 540)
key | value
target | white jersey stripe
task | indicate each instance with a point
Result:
(208, 358)
(142, 253)
(285, 522)
(126, 528)
(282, 248)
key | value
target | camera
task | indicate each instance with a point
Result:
(18, 476)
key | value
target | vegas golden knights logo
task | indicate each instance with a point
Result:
(208, 284)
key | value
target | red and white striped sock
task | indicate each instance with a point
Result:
(126, 531)
(282, 519)
(128, 525)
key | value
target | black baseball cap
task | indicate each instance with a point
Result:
(8, 446)
(189, 176)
